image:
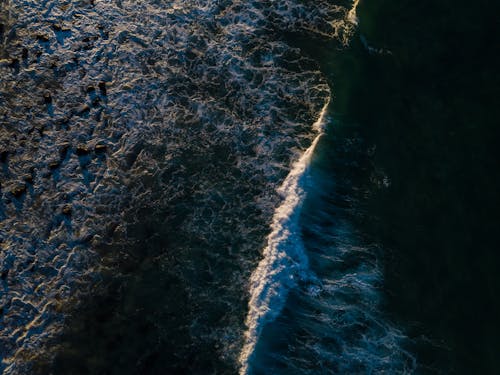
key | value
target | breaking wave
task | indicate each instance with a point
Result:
(154, 134)
(284, 260)
(190, 111)
(324, 317)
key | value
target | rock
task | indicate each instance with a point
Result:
(28, 178)
(47, 98)
(83, 110)
(18, 190)
(63, 149)
(102, 88)
(99, 148)
(59, 28)
(67, 209)
(42, 38)
(82, 149)
(14, 64)
(54, 164)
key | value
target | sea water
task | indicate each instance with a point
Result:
(165, 207)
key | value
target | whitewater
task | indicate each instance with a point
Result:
(149, 152)
(284, 260)
(285, 268)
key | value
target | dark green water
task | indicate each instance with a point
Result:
(413, 151)
(407, 170)
(417, 141)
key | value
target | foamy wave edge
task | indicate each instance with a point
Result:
(284, 259)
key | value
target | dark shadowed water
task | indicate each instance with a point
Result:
(417, 140)
(262, 187)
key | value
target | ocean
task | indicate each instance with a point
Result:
(248, 187)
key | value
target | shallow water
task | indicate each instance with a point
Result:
(143, 145)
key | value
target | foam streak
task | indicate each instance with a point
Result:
(352, 16)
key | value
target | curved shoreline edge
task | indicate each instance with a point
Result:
(284, 256)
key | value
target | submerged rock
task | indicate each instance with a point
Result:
(82, 149)
(18, 190)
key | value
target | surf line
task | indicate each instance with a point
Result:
(352, 15)
(284, 259)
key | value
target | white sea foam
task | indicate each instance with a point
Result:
(352, 16)
(284, 259)
(163, 88)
